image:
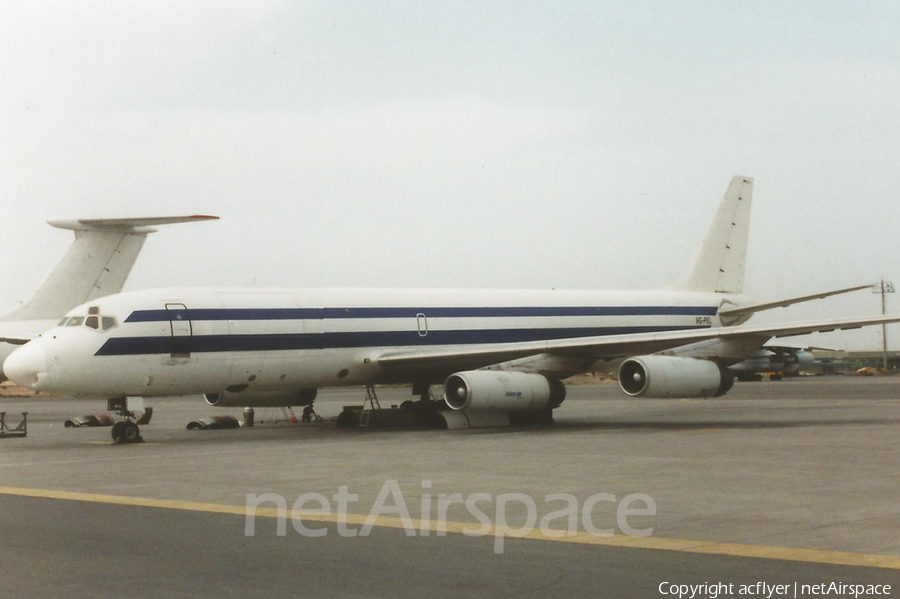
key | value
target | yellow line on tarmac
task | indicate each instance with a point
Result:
(582, 538)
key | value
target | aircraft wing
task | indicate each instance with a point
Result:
(611, 346)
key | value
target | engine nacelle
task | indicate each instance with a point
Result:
(476, 390)
(261, 399)
(801, 360)
(669, 376)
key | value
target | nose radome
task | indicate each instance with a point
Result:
(25, 364)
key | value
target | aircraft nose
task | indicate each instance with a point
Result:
(25, 364)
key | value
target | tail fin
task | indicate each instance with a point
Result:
(719, 263)
(97, 264)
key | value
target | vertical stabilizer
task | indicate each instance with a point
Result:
(719, 263)
(97, 264)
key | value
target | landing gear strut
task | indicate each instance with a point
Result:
(126, 431)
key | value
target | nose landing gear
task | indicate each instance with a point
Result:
(126, 431)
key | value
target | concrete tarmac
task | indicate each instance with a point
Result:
(783, 482)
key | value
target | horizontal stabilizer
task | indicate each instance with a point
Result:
(739, 311)
(96, 224)
(97, 263)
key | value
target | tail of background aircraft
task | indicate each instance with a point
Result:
(719, 263)
(97, 264)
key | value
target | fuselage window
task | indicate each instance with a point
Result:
(92, 322)
(108, 322)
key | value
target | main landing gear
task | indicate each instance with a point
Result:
(426, 408)
(126, 431)
(421, 414)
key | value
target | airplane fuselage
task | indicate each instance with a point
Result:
(192, 341)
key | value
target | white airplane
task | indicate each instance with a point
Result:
(497, 352)
(97, 264)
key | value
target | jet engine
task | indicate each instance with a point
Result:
(797, 360)
(477, 390)
(669, 376)
(261, 399)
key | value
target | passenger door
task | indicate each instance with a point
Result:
(182, 330)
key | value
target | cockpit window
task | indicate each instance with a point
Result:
(94, 321)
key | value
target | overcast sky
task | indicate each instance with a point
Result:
(450, 144)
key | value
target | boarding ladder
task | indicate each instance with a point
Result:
(372, 403)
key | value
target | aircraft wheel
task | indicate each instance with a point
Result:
(117, 434)
(775, 377)
(131, 433)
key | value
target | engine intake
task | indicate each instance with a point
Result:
(261, 399)
(476, 390)
(670, 376)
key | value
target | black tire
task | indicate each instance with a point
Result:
(130, 432)
(348, 419)
(117, 433)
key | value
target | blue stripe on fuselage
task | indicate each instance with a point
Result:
(129, 346)
(435, 312)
